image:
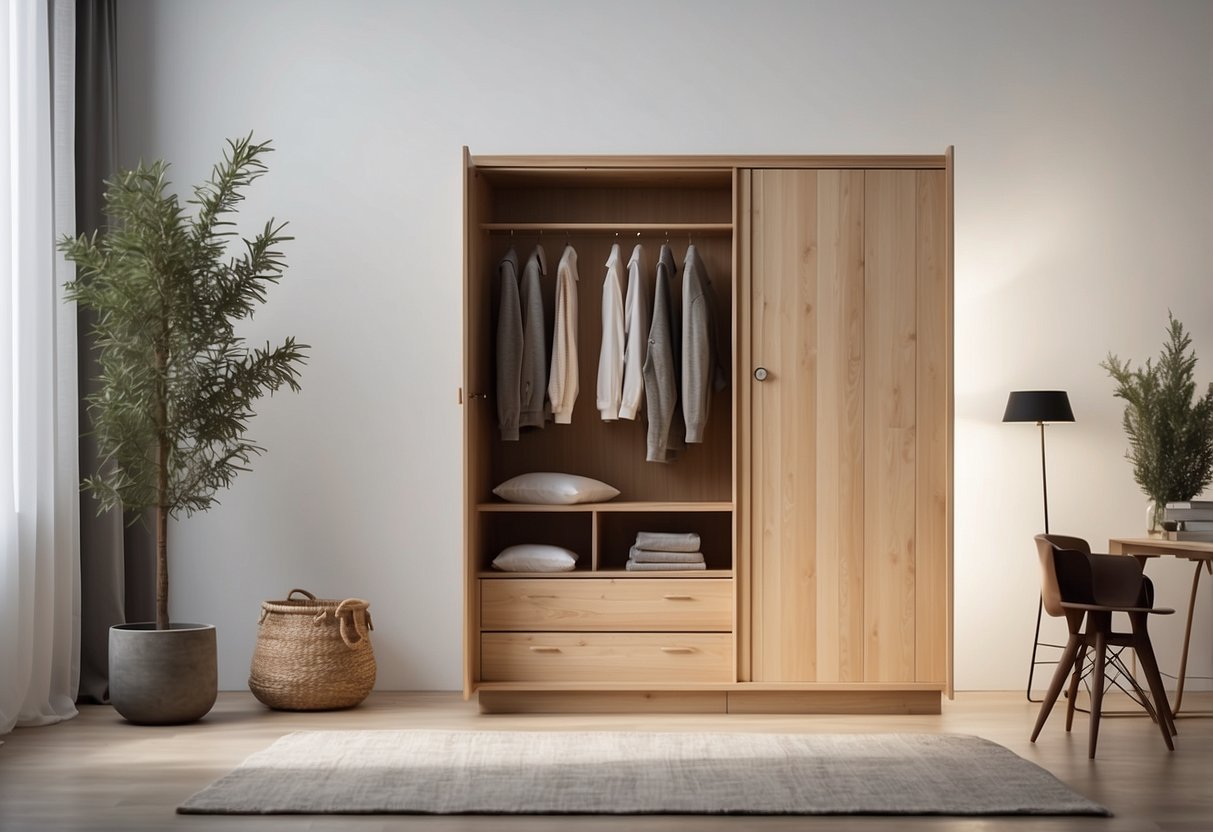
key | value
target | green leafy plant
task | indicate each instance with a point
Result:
(1170, 433)
(177, 382)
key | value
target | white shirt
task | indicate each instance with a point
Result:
(563, 382)
(610, 356)
(636, 329)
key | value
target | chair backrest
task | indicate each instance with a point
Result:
(1069, 572)
(1118, 582)
(1065, 572)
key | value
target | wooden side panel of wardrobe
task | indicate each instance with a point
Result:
(743, 424)
(840, 407)
(784, 427)
(477, 416)
(933, 395)
(889, 425)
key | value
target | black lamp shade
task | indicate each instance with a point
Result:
(1038, 406)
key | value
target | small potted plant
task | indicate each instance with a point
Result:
(1170, 433)
(176, 389)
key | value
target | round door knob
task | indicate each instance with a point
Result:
(761, 374)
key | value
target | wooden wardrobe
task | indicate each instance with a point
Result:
(822, 492)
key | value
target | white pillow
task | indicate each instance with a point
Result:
(554, 489)
(535, 557)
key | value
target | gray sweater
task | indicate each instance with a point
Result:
(702, 367)
(534, 378)
(509, 346)
(660, 369)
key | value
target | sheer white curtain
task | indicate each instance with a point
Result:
(39, 539)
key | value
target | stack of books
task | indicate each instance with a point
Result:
(1193, 520)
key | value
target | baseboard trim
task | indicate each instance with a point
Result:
(603, 702)
(835, 702)
(710, 701)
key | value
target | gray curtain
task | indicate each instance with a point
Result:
(116, 557)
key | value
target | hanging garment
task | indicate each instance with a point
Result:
(509, 347)
(563, 382)
(702, 371)
(610, 355)
(534, 375)
(636, 336)
(660, 369)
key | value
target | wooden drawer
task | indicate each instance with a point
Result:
(606, 657)
(641, 604)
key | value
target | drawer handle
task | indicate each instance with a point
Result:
(535, 597)
(679, 597)
(677, 649)
(544, 649)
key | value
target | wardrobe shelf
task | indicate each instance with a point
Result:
(635, 507)
(700, 228)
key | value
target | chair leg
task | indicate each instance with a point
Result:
(1149, 665)
(1075, 678)
(1142, 697)
(1059, 678)
(1101, 649)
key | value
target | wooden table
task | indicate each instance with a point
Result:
(1200, 553)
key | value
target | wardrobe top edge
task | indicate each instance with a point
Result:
(703, 165)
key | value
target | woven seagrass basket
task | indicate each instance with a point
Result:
(313, 654)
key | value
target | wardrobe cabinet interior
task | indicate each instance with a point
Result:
(821, 495)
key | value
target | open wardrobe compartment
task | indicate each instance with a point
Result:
(755, 353)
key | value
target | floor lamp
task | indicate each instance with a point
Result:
(1041, 407)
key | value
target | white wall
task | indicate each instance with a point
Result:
(1083, 212)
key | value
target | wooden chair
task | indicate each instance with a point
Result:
(1083, 586)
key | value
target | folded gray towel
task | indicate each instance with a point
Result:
(645, 556)
(633, 566)
(667, 542)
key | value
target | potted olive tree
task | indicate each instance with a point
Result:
(1170, 433)
(176, 389)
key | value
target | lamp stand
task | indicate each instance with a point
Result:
(1044, 474)
(1036, 642)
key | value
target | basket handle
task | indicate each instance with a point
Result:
(309, 595)
(354, 617)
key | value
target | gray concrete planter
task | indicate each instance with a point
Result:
(163, 677)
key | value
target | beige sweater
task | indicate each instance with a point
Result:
(636, 333)
(563, 381)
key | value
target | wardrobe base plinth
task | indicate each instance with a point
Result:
(733, 701)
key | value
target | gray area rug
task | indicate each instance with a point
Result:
(500, 772)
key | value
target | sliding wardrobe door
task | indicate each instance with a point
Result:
(850, 434)
(807, 425)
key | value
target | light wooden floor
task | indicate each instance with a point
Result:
(97, 772)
